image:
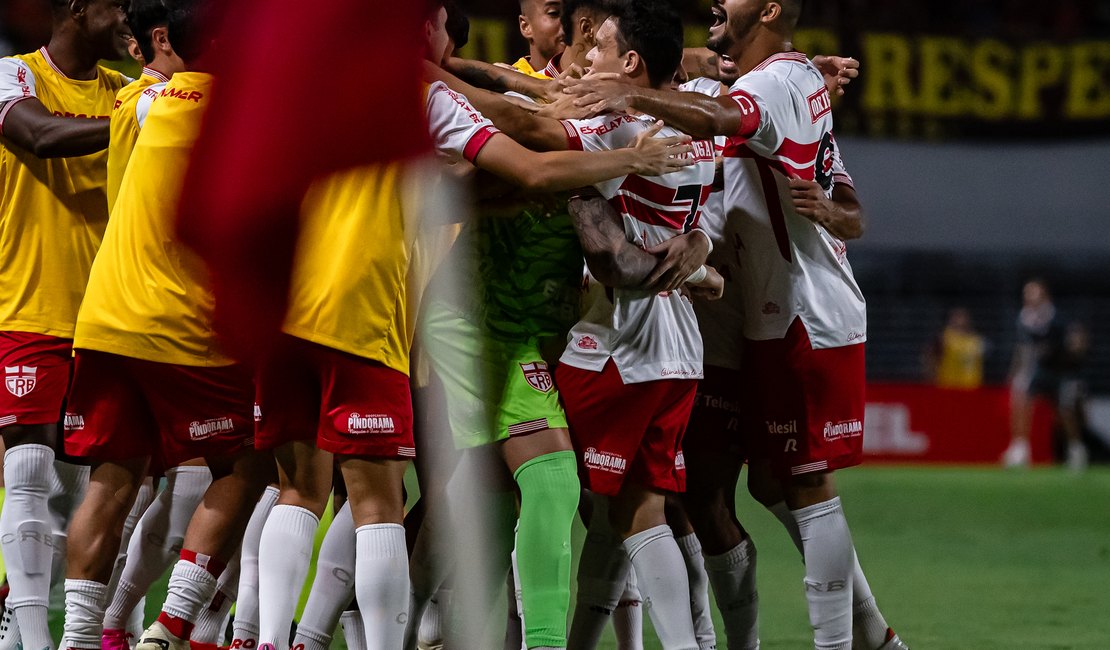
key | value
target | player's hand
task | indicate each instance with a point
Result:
(659, 156)
(679, 257)
(839, 71)
(600, 92)
(810, 201)
(711, 288)
(562, 108)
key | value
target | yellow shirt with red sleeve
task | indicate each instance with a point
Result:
(53, 211)
(523, 64)
(132, 105)
(349, 286)
(149, 297)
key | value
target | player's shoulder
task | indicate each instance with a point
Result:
(113, 78)
(784, 68)
(18, 64)
(703, 85)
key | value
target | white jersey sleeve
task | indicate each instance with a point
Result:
(457, 128)
(17, 83)
(146, 100)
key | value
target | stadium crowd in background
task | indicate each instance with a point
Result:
(655, 248)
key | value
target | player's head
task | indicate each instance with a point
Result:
(581, 19)
(149, 20)
(436, 38)
(189, 30)
(101, 25)
(458, 28)
(737, 23)
(642, 40)
(540, 25)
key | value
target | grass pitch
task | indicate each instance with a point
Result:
(957, 558)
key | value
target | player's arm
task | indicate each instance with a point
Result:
(841, 215)
(30, 126)
(612, 259)
(699, 62)
(533, 131)
(563, 170)
(498, 79)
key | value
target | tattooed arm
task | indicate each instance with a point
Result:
(611, 258)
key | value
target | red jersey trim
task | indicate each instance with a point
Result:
(552, 69)
(477, 141)
(157, 75)
(797, 57)
(844, 179)
(574, 140)
(8, 107)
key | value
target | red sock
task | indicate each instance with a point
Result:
(196, 645)
(178, 627)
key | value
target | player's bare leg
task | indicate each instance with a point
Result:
(284, 553)
(98, 523)
(637, 515)
(214, 534)
(375, 493)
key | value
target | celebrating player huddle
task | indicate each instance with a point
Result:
(649, 291)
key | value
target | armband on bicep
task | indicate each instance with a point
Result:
(750, 115)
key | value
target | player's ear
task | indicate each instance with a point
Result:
(160, 36)
(771, 12)
(77, 8)
(632, 61)
(525, 27)
(586, 26)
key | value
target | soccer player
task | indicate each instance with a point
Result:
(805, 321)
(540, 25)
(147, 360)
(54, 108)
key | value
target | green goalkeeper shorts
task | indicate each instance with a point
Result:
(496, 388)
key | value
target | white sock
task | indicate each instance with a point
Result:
(136, 623)
(733, 577)
(690, 546)
(191, 588)
(661, 577)
(334, 585)
(245, 626)
(602, 576)
(628, 616)
(382, 583)
(212, 620)
(354, 632)
(830, 560)
(67, 491)
(156, 542)
(514, 622)
(84, 613)
(25, 531)
(283, 558)
(142, 500)
(430, 631)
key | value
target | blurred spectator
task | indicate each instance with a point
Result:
(955, 359)
(1072, 399)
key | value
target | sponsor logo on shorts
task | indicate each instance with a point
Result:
(679, 461)
(845, 429)
(708, 401)
(20, 380)
(244, 644)
(605, 461)
(781, 428)
(537, 376)
(73, 422)
(203, 430)
(257, 413)
(587, 343)
(357, 423)
(771, 309)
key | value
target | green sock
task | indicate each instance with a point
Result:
(549, 491)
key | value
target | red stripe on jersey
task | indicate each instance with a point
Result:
(654, 192)
(647, 214)
(774, 206)
(477, 141)
(750, 117)
(782, 56)
(574, 141)
(804, 155)
(735, 148)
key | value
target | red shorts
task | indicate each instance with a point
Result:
(352, 406)
(621, 430)
(808, 403)
(120, 408)
(719, 423)
(36, 376)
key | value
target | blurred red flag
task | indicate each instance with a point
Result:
(302, 89)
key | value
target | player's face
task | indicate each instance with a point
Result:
(436, 34)
(542, 28)
(606, 55)
(733, 21)
(105, 23)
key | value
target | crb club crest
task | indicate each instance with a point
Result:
(537, 376)
(20, 380)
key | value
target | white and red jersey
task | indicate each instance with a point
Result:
(789, 267)
(458, 130)
(649, 336)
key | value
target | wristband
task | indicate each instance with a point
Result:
(698, 275)
(708, 239)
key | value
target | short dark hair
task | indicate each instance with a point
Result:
(143, 16)
(791, 11)
(654, 30)
(570, 7)
(187, 27)
(458, 25)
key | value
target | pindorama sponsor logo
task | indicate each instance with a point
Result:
(679, 461)
(358, 423)
(605, 461)
(202, 430)
(73, 422)
(845, 429)
(20, 380)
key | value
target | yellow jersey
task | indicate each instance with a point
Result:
(149, 296)
(524, 65)
(127, 117)
(961, 360)
(53, 211)
(349, 285)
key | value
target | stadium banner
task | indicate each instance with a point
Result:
(926, 424)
